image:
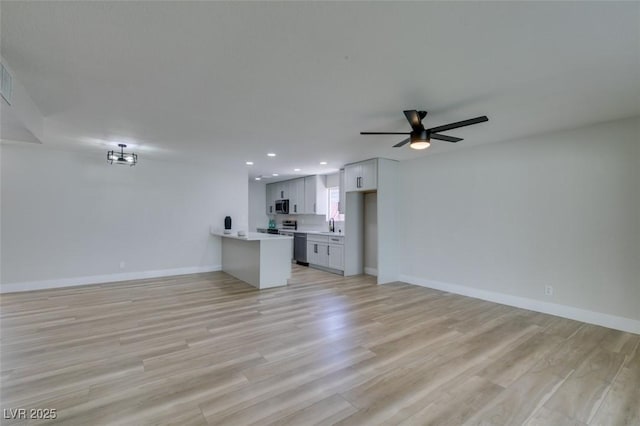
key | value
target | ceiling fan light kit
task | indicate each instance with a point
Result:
(419, 137)
(420, 144)
(419, 140)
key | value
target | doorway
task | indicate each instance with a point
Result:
(371, 233)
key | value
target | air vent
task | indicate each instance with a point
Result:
(6, 86)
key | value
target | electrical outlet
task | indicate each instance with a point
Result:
(548, 290)
(122, 264)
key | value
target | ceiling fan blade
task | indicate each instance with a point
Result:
(457, 124)
(385, 133)
(413, 117)
(444, 137)
(402, 143)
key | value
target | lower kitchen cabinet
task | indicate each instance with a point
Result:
(314, 254)
(335, 256)
(325, 251)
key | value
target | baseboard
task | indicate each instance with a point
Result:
(371, 271)
(101, 279)
(570, 312)
(323, 268)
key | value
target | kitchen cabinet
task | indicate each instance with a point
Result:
(306, 195)
(362, 176)
(314, 256)
(282, 190)
(325, 251)
(296, 192)
(277, 191)
(271, 198)
(335, 255)
(315, 195)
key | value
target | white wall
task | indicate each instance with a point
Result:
(257, 205)
(333, 180)
(22, 108)
(67, 215)
(561, 209)
(371, 233)
(387, 216)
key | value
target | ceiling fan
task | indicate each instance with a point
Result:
(420, 138)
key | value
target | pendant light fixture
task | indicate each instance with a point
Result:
(122, 158)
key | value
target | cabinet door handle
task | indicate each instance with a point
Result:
(328, 251)
(315, 248)
(295, 208)
(270, 209)
(314, 207)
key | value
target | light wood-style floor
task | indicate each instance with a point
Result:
(207, 348)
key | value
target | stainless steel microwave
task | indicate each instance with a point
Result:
(282, 206)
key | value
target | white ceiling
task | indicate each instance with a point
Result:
(11, 127)
(197, 80)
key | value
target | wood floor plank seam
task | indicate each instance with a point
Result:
(597, 406)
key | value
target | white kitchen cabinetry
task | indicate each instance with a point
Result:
(271, 198)
(306, 195)
(362, 176)
(297, 196)
(282, 190)
(325, 251)
(336, 253)
(315, 195)
(314, 253)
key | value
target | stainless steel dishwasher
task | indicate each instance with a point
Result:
(300, 248)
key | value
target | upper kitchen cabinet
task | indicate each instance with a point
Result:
(306, 195)
(315, 195)
(282, 190)
(362, 176)
(297, 199)
(271, 198)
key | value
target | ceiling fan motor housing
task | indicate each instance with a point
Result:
(420, 136)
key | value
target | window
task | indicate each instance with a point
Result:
(334, 200)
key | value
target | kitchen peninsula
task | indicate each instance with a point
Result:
(261, 260)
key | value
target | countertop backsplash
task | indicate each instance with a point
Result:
(308, 222)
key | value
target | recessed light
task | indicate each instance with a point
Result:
(249, 163)
(323, 163)
(296, 170)
(274, 174)
(271, 154)
(257, 178)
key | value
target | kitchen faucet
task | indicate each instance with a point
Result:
(332, 225)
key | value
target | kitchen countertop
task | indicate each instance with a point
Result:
(330, 234)
(253, 236)
(303, 231)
